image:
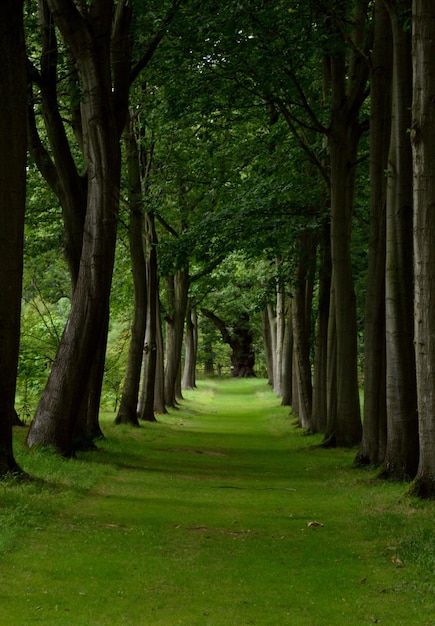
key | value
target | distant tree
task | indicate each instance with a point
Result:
(12, 202)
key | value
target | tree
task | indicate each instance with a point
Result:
(374, 438)
(239, 337)
(12, 203)
(127, 413)
(401, 456)
(423, 138)
(98, 37)
(89, 33)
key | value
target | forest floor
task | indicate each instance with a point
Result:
(221, 513)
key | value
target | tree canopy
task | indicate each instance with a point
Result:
(191, 164)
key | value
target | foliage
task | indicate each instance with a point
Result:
(42, 325)
(115, 364)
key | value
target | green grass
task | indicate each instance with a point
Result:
(203, 519)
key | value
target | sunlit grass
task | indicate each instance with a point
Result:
(222, 512)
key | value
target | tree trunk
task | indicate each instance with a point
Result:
(347, 92)
(331, 373)
(89, 39)
(178, 287)
(191, 343)
(87, 428)
(150, 350)
(12, 202)
(127, 413)
(401, 457)
(279, 339)
(301, 318)
(287, 357)
(267, 343)
(373, 444)
(320, 388)
(422, 138)
(159, 389)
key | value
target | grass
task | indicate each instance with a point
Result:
(221, 513)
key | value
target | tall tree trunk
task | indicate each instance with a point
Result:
(127, 413)
(374, 438)
(279, 339)
(87, 428)
(178, 287)
(301, 318)
(12, 203)
(191, 343)
(320, 389)
(150, 350)
(423, 144)
(89, 39)
(348, 90)
(159, 389)
(331, 373)
(401, 457)
(287, 357)
(266, 332)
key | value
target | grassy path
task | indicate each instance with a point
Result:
(221, 513)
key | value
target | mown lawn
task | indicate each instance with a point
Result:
(222, 513)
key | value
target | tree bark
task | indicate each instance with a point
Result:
(301, 324)
(287, 357)
(127, 413)
(12, 204)
(147, 404)
(320, 388)
(191, 343)
(373, 444)
(401, 457)
(159, 389)
(423, 145)
(178, 287)
(348, 91)
(279, 339)
(266, 332)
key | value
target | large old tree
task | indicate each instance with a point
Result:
(12, 203)
(98, 37)
(90, 35)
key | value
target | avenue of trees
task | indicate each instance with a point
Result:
(247, 189)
